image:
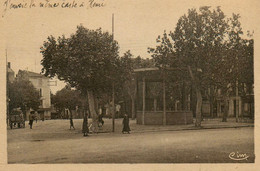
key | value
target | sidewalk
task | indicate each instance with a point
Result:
(205, 124)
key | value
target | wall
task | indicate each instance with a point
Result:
(206, 109)
(179, 118)
(42, 83)
(231, 111)
(172, 117)
(153, 118)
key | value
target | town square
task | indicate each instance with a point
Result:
(52, 142)
(100, 82)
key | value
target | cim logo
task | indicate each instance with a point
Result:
(238, 156)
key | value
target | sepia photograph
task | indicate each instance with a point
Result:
(129, 82)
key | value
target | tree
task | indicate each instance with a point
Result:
(88, 60)
(127, 64)
(201, 44)
(67, 98)
(23, 94)
(129, 79)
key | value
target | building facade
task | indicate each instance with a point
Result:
(41, 83)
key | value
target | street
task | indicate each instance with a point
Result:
(51, 141)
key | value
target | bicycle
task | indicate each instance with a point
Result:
(93, 129)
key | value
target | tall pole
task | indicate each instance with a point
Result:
(35, 64)
(113, 26)
(164, 100)
(7, 92)
(164, 95)
(237, 102)
(113, 106)
(144, 86)
(113, 86)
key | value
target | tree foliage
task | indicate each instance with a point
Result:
(210, 46)
(23, 94)
(209, 42)
(87, 60)
(67, 98)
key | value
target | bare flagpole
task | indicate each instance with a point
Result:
(7, 92)
(113, 85)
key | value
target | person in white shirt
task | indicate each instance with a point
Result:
(118, 107)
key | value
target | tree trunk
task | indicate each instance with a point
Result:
(225, 114)
(70, 112)
(199, 98)
(211, 99)
(154, 104)
(184, 96)
(198, 108)
(93, 112)
(133, 108)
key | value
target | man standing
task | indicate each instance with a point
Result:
(31, 116)
(21, 119)
(71, 122)
(118, 107)
(36, 116)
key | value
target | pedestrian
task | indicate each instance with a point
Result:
(118, 107)
(36, 116)
(21, 119)
(100, 120)
(126, 127)
(71, 123)
(31, 116)
(85, 129)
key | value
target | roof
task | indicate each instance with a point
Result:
(156, 74)
(167, 68)
(10, 70)
(32, 74)
(151, 74)
(146, 69)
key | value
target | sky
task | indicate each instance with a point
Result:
(137, 24)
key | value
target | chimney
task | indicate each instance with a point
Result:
(9, 64)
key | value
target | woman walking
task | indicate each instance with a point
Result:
(85, 129)
(126, 127)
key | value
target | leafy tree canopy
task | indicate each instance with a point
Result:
(67, 98)
(210, 47)
(87, 60)
(23, 94)
(211, 44)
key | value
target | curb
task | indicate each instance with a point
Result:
(188, 129)
(181, 129)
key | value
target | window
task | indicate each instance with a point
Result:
(41, 103)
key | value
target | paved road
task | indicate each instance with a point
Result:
(53, 143)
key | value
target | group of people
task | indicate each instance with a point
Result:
(85, 128)
(33, 116)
